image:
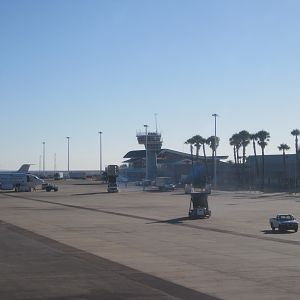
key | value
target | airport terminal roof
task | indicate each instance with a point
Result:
(183, 155)
(134, 159)
(135, 154)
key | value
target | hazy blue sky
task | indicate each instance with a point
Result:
(72, 68)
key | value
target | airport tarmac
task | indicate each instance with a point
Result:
(83, 243)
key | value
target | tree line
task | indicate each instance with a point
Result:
(240, 141)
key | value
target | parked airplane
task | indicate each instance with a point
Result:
(24, 168)
(20, 181)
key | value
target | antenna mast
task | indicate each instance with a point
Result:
(155, 115)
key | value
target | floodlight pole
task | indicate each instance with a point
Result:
(100, 153)
(68, 140)
(215, 152)
(44, 159)
(146, 128)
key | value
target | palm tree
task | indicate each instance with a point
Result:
(236, 142)
(213, 143)
(283, 148)
(232, 143)
(263, 137)
(295, 133)
(253, 138)
(245, 140)
(191, 142)
(203, 142)
(197, 143)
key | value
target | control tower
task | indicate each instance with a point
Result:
(153, 143)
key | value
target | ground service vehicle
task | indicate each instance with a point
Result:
(199, 205)
(284, 222)
(49, 187)
(112, 174)
(20, 182)
(188, 189)
(58, 176)
(164, 183)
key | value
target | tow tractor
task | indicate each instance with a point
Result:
(199, 205)
(112, 174)
(49, 187)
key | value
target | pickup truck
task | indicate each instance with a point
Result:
(284, 222)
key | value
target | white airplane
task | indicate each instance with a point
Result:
(20, 181)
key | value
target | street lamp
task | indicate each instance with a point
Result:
(44, 159)
(40, 165)
(100, 147)
(146, 128)
(68, 139)
(54, 164)
(215, 152)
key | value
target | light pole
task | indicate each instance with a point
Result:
(100, 147)
(215, 152)
(54, 164)
(146, 128)
(68, 140)
(44, 159)
(40, 165)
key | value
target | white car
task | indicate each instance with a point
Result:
(284, 222)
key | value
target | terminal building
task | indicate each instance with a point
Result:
(155, 161)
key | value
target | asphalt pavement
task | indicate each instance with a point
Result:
(35, 267)
(84, 243)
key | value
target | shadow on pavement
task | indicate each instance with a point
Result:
(268, 231)
(173, 221)
(87, 194)
(180, 194)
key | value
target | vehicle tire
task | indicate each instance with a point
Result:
(273, 228)
(48, 189)
(296, 229)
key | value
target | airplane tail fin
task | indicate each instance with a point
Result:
(24, 168)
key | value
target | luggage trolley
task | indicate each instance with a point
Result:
(199, 205)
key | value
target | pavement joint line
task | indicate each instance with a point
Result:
(170, 222)
(101, 263)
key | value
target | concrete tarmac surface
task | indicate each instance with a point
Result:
(84, 243)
